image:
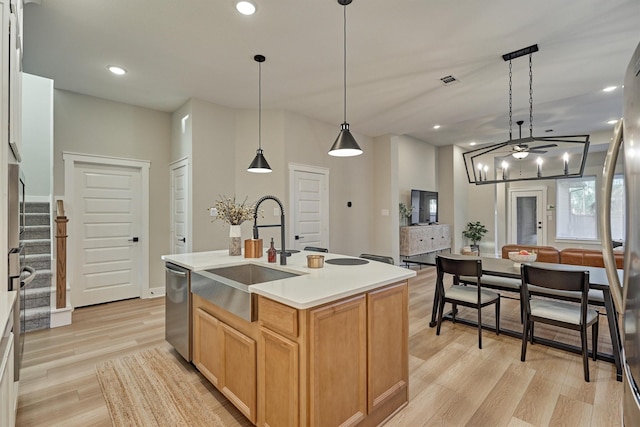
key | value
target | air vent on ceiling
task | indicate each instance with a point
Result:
(447, 80)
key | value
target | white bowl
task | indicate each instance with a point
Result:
(518, 258)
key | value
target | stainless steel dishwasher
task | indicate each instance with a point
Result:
(178, 309)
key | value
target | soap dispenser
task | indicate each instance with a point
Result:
(271, 253)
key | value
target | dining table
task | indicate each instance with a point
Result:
(502, 267)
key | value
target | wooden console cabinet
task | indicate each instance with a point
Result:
(420, 239)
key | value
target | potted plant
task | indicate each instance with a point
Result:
(474, 232)
(405, 214)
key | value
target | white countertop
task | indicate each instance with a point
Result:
(313, 287)
(7, 300)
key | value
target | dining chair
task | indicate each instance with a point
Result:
(315, 249)
(379, 258)
(466, 295)
(552, 311)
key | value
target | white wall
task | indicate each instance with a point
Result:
(385, 236)
(37, 136)
(88, 125)
(417, 167)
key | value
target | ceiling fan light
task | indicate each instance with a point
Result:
(520, 154)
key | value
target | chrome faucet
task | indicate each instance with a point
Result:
(283, 253)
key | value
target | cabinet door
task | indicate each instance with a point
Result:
(207, 354)
(279, 381)
(239, 370)
(387, 344)
(338, 363)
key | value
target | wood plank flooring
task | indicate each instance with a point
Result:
(452, 382)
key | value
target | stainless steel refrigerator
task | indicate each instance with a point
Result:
(626, 293)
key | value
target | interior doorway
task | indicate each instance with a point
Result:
(107, 202)
(527, 223)
(309, 201)
(180, 232)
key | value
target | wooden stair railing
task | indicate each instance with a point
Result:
(61, 256)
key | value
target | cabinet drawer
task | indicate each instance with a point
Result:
(278, 317)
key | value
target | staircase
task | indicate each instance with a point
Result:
(37, 248)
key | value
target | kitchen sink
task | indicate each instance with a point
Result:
(250, 274)
(228, 287)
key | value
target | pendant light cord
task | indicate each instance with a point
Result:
(530, 95)
(260, 105)
(510, 101)
(345, 63)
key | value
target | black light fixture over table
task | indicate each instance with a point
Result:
(557, 156)
(259, 163)
(345, 145)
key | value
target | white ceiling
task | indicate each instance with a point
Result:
(397, 52)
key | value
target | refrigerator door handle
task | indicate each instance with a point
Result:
(618, 292)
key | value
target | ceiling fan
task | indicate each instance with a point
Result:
(519, 150)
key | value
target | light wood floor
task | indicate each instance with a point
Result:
(452, 382)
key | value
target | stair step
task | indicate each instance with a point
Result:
(39, 207)
(38, 261)
(36, 297)
(42, 280)
(36, 318)
(32, 232)
(37, 219)
(37, 246)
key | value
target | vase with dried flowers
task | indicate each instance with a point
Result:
(234, 214)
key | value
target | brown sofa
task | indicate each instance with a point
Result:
(545, 253)
(573, 256)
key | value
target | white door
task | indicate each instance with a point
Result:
(528, 225)
(180, 239)
(309, 206)
(107, 227)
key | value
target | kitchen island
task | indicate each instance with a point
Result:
(327, 346)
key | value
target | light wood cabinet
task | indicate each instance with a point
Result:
(387, 345)
(225, 356)
(278, 364)
(420, 239)
(343, 363)
(338, 363)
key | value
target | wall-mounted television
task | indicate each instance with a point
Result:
(424, 206)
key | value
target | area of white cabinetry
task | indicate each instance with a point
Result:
(420, 239)
(8, 388)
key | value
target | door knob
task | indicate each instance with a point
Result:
(183, 240)
(133, 239)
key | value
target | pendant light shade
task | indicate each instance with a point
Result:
(259, 163)
(345, 145)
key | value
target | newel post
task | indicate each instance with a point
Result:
(61, 256)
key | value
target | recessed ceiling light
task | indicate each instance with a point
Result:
(119, 71)
(612, 122)
(472, 143)
(246, 7)
(609, 88)
(436, 127)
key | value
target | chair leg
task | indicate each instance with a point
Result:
(585, 352)
(498, 317)
(594, 340)
(531, 332)
(440, 310)
(525, 337)
(479, 327)
(454, 310)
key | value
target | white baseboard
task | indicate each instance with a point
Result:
(61, 316)
(153, 293)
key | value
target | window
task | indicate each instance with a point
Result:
(576, 209)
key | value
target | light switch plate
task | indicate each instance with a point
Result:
(384, 212)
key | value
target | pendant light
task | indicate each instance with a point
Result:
(259, 163)
(345, 145)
